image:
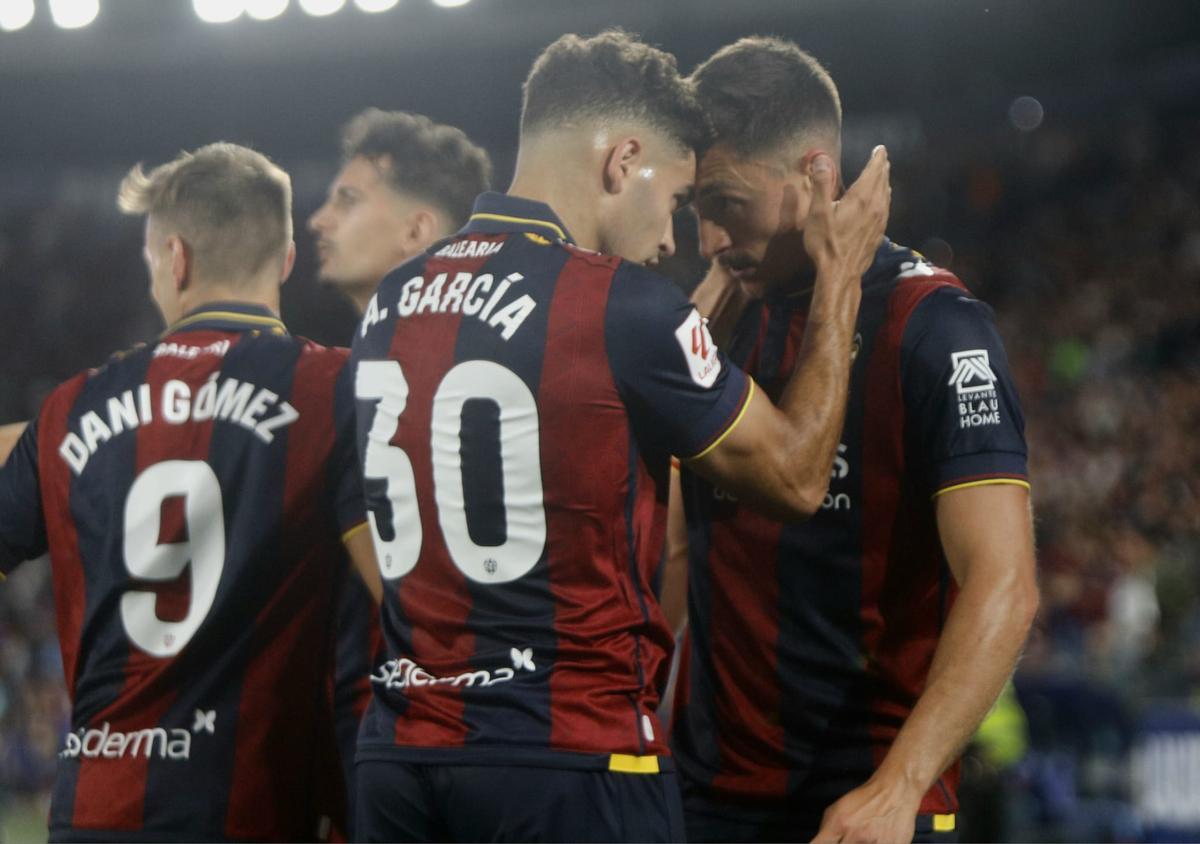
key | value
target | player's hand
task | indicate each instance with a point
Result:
(875, 812)
(841, 237)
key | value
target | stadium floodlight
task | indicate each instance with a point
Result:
(1026, 113)
(15, 14)
(376, 5)
(321, 8)
(265, 10)
(74, 14)
(449, 4)
(219, 11)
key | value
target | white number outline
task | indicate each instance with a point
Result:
(520, 453)
(146, 559)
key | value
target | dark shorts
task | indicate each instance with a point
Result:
(709, 821)
(411, 801)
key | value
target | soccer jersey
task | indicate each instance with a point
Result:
(519, 399)
(810, 643)
(192, 494)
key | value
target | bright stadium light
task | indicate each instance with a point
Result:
(321, 8)
(74, 14)
(376, 5)
(15, 14)
(219, 11)
(449, 4)
(265, 10)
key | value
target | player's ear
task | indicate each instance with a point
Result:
(619, 164)
(289, 262)
(181, 262)
(424, 227)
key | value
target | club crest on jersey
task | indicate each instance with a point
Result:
(699, 350)
(975, 383)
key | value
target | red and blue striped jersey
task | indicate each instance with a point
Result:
(192, 495)
(519, 400)
(809, 643)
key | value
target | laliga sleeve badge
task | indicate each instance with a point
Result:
(699, 350)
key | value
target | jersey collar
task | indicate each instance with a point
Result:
(229, 316)
(497, 212)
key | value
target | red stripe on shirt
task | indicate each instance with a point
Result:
(111, 793)
(285, 708)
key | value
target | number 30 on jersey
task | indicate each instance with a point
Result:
(520, 460)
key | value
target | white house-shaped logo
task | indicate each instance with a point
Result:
(972, 372)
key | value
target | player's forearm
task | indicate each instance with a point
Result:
(814, 400)
(675, 560)
(983, 637)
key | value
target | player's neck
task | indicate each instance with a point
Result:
(207, 294)
(548, 180)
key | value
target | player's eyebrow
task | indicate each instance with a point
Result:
(714, 188)
(685, 197)
(345, 192)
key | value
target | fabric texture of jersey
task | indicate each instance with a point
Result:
(519, 399)
(192, 494)
(810, 643)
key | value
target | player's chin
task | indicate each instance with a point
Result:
(753, 287)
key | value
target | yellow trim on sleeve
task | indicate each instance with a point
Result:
(355, 531)
(943, 823)
(737, 419)
(504, 218)
(623, 763)
(252, 319)
(988, 482)
(3, 577)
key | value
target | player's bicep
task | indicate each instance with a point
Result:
(987, 531)
(9, 436)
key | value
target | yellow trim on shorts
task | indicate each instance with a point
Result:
(623, 763)
(354, 531)
(943, 823)
(732, 425)
(504, 218)
(988, 482)
(252, 319)
(3, 577)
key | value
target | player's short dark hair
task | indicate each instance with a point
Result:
(431, 161)
(231, 204)
(761, 93)
(611, 75)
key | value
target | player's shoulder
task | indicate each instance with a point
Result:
(640, 294)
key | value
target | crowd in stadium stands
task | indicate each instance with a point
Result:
(1087, 244)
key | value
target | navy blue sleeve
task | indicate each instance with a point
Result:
(22, 524)
(963, 414)
(682, 393)
(346, 477)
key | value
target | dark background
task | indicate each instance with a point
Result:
(1083, 232)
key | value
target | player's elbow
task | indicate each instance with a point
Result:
(798, 499)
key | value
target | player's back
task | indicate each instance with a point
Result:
(516, 482)
(193, 512)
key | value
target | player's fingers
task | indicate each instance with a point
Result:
(874, 179)
(820, 170)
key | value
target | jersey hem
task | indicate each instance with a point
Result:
(1010, 481)
(354, 530)
(728, 429)
(518, 757)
